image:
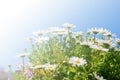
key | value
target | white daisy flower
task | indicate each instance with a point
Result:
(85, 43)
(68, 26)
(93, 30)
(57, 31)
(9, 65)
(103, 31)
(116, 49)
(78, 33)
(38, 67)
(50, 67)
(102, 49)
(105, 42)
(29, 64)
(77, 42)
(117, 41)
(98, 77)
(61, 33)
(39, 33)
(109, 34)
(19, 65)
(99, 48)
(77, 61)
(41, 39)
(23, 55)
(29, 38)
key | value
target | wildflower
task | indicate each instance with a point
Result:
(42, 39)
(37, 67)
(98, 77)
(100, 48)
(77, 34)
(19, 65)
(85, 43)
(22, 55)
(50, 67)
(57, 31)
(106, 43)
(109, 39)
(61, 33)
(103, 31)
(93, 30)
(29, 74)
(68, 26)
(77, 42)
(77, 61)
(9, 65)
(29, 38)
(116, 49)
(117, 41)
(29, 64)
(109, 34)
(39, 33)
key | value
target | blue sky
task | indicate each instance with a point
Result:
(19, 18)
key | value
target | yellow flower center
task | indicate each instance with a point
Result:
(41, 40)
(50, 67)
(77, 61)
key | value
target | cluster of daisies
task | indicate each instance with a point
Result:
(39, 36)
(95, 38)
(74, 61)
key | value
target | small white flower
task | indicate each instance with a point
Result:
(98, 77)
(68, 26)
(85, 43)
(109, 34)
(103, 31)
(23, 55)
(105, 42)
(100, 48)
(93, 30)
(9, 65)
(116, 49)
(41, 39)
(39, 33)
(109, 39)
(77, 42)
(117, 41)
(103, 49)
(93, 46)
(50, 67)
(19, 65)
(29, 64)
(29, 38)
(77, 61)
(61, 33)
(57, 31)
(37, 67)
(78, 33)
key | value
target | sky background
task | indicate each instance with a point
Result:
(20, 18)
